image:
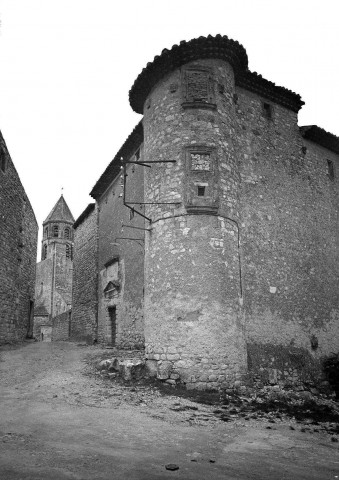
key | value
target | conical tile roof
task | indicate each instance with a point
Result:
(60, 212)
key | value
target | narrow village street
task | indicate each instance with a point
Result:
(61, 419)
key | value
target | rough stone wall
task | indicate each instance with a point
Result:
(60, 327)
(62, 297)
(193, 321)
(251, 267)
(40, 321)
(18, 248)
(121, 263)
(289, 237)
(53, 287)
(85, 279)
(43, 286)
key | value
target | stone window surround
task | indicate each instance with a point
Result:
(205, 178)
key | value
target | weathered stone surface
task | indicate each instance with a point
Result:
(132, 369)
(85, 295)
(151, 368)
(241, 260)
(18, 246)
(164, 370)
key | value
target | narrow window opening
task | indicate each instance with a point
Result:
(201, 191)
(55, 231)
(3, 161)
(66, 233)
(68, 251)
(137, 154)
(330, 168)
(131, 214)
(267, 109)
(112, 312)
(44, 252)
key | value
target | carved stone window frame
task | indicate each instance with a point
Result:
(187, 102)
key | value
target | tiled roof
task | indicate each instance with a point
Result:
(60, 212)
(321, 137)
(131, 144)
(220, 47)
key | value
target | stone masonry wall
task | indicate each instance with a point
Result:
(40, 321)
(43, 286)
(18, 248)
(85, 278)
(62, 297)
(53, 287)
(253, 265)
(193, 293)
(289, 236)
(121, 263)
(60, 327)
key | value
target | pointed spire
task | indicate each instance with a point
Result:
(60, 212)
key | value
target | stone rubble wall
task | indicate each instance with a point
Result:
(289, 237)
(60, 327)
(193, 317)
(121, 261)
(18, 249)
(85, 294)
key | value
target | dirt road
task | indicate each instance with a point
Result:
(60, 420)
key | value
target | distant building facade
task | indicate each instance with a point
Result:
(18, 249)
(54, 274)
(219, 246)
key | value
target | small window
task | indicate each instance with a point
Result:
(69, 251)
(66, 233)
(201, 191)
(46, 232)
(131, 214)
(330, 169)
(137, 155)
(112, 289)
(44, 252)
(55, 231)
(3, 160)
(267, 110)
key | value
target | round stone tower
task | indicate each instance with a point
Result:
(193, 286)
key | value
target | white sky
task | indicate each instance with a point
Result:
(67, 66)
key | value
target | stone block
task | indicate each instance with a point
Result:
(164, 370)
(132, 369)
(151, 368)
(173, 356)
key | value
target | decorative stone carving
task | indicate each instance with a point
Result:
(197, 88)
(200, 161)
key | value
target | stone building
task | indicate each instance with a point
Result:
(221, 250)
(85, 290)
(54, 274)
(18, 247)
